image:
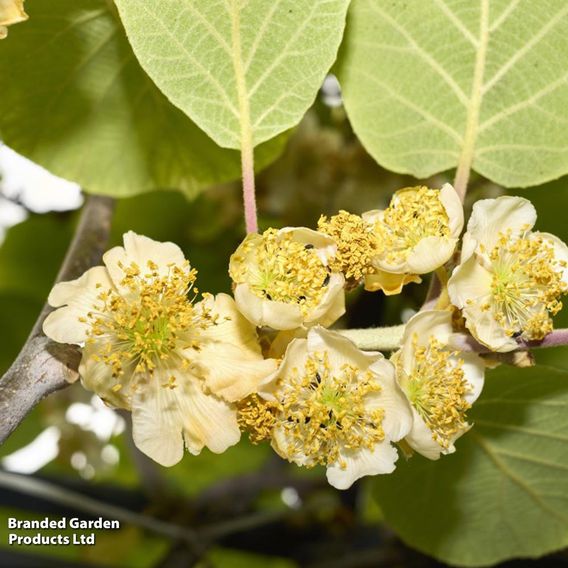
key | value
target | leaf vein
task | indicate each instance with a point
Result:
(517, 480)
(519, 54)
(418, 110)
(434, 64)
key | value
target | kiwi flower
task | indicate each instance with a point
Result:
(11, 12)
(440, 383)
(331, 404)
(510, 278)
(177, 364)
(283, 279)
(417, 233)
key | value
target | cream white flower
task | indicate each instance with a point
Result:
(283, 279)
(148, 348)
(11, 12)
(331, 404)
(510, 279)
(440, 383)
(417, 234)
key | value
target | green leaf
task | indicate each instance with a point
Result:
(504, 493)
(436, 84)
(75, 100)
(239, 68)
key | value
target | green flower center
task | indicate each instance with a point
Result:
(141, 329)
(526, 285)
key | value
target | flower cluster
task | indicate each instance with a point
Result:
(197, 370)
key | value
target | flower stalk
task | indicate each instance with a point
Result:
(388, 339)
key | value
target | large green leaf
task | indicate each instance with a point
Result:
(433, 84)
(504, 493)
(75, 100)
(239, 68)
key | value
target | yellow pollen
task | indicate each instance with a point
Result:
(257, 417)
(281, 269)
(413, 214)
(356, 244)
(437, 388)
(324, 410)
(526, 285)
(142, 329)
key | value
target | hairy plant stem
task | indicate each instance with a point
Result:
(389, 339)
(376, 338)
(247, 145)
(43, 366)
(249, 192)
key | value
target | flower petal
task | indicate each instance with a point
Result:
(96, 376)
(469, 281)
(424, 325)
(339, 349)
(264, 312)
(230, 359)
(12, 12)
(381, 459)
(560, 250)
(162, 418)
(420, 439)
(469, 289)
(332, 305)
(474, 373)
(397, 419)
(487, 330)
(373, 216)
(209, 421)
(324, 245)
(282, 445)
(295, 358)
(430, 253)
(469, 246)
(489, 217)
(157, 422)
(282, 339)
(78, 298)
(139, 250)
(388, 282)
(454, 209)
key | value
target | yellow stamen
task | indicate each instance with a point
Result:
(138, 331)
(323, 411)
(281, 269)
(413, 214)
(257, 417)
(437, 388)
(526, 285)
(356, 242)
